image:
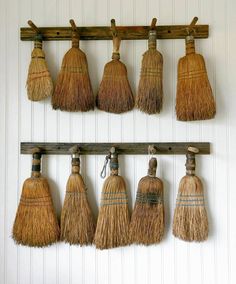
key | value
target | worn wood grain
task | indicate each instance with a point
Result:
(125, 32)
(122, 148)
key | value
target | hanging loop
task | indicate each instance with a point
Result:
(104, 169)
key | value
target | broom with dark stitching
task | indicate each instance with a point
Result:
(150, 89)
(113, 218)
(148, 218)
(115, 94)
(35, 223)
(194, 99)
(190, 217)
(73, 90)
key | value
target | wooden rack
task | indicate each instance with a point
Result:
(176, 148)
(125, 32)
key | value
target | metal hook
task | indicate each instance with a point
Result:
(75, 151)
(107, 158)
(193, 150)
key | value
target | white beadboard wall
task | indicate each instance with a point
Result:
(172, 261)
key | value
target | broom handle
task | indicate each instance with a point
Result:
(73, 25)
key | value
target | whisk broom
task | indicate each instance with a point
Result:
(115, 94)
(39, 81)
(77, 222)
(73, 90)
(190, 217)
(113, 218)
(35, 223)
(194, 99)
(150, 89)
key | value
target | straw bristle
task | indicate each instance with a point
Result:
(77, 222)
(190, 218)
(194, 99)
(73, 91)
(36, 224)
(150, 89)
(113, 219)
(115, 94)
(39, 81)
(147, 221)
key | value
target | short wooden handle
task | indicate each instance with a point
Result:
(33, 26)
(73, 25)
(153, 24)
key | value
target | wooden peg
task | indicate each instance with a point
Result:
(74, 149)
(190, 29)
(73, 25)
(33, 26)
(193, 150)
(113, 28)
(153, 24)
(152, 150)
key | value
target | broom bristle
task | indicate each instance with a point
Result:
(147, 221)
(150, 89)
(194, 99)
(36, 223)
(113, 219)
(77, 223)
(190, 218)
(39, 81)
(115, 94)
(73, 91)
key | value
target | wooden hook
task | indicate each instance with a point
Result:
(74, 149)
(33, 26)
(193, 150)
(152, 150)
(113, 28)
(190, 29)
(153, 24)
(73, 25)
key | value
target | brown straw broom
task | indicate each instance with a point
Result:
(113, 219)
(36, 224)
(77, 222)
(190, 217)
(115, 94)
(39, 81)
(148, 220)
(73, 90)
(194, 99)
(150, 89)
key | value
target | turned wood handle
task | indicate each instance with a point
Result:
(194, 21)
(33, 26)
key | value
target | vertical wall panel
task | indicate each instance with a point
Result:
(172, 261)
